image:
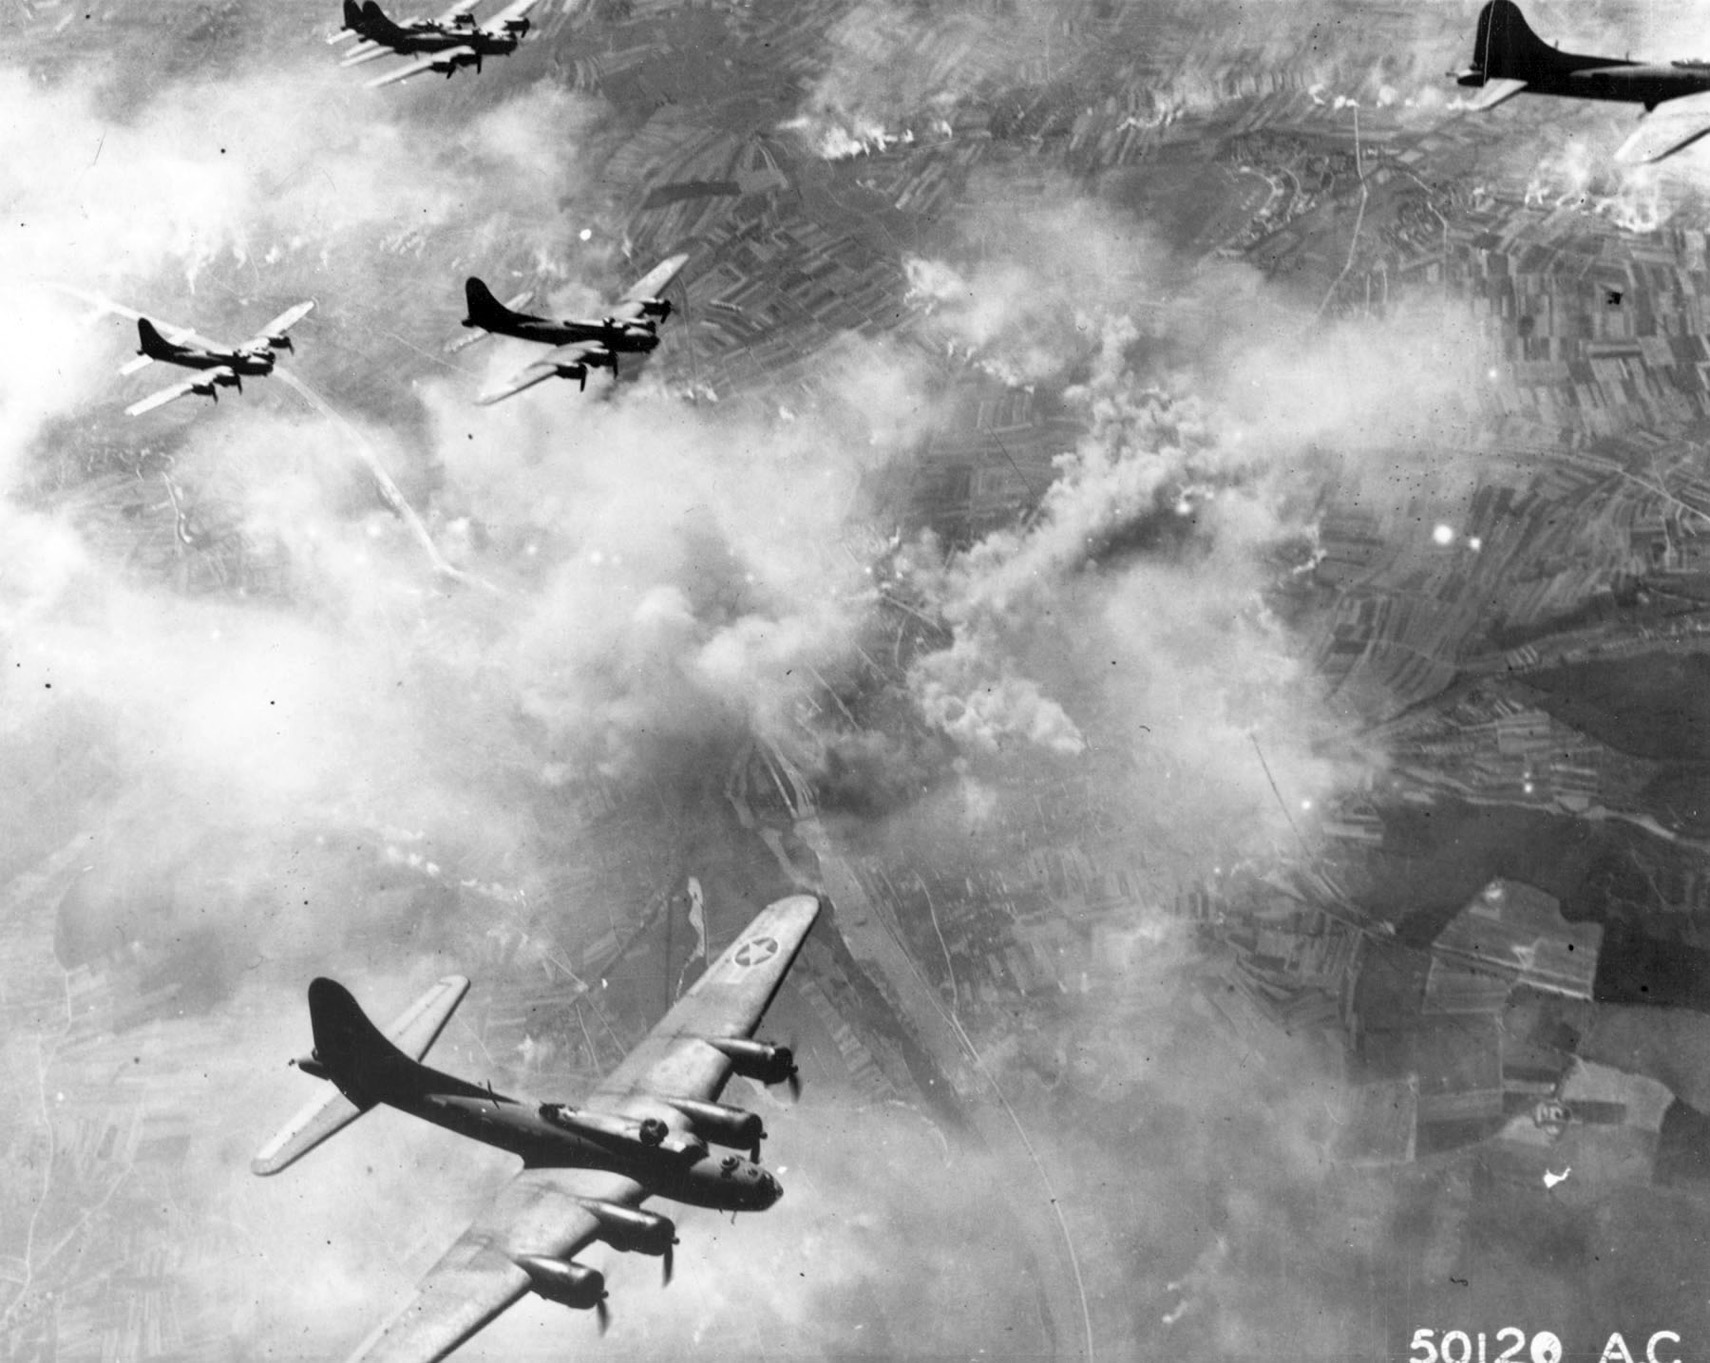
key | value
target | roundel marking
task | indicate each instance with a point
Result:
(756, 950)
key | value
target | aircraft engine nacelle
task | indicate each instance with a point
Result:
(721, 1123)
(631, 1230)
(577, 371)
(757, 1059)
(280, 342)
(657, 308)
(516, 27)
(448, 65)
(568, 1284)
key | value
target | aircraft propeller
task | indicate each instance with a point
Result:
(603, 1314)
(668, 1261)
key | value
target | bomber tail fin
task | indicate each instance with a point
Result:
(354, 1053)
(364, 1064)
(375, 26)
(1505, 48)
(483, 309)
(353, 16)
(154, 345)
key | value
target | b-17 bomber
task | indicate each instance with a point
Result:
(630, 328)
(1509, 59)
(220, 365)
(643, 1132)
(446, 43)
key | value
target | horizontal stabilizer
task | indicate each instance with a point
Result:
(415, 1030)
(572, 360)
(327, 1113)
(1494, 92)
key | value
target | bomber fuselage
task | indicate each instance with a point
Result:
(247, 362)
(630, 338)
(549, 1135)
(1627, 82)
(434, 38)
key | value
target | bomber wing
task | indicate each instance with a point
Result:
(1671, 126)
(414, 1031)
(727, 1001)
(650, 285)
(178, 390)
(509, 14)
(536, 1213)
(422, 65)
(548, 366)
(539, 1212)
(279, 325)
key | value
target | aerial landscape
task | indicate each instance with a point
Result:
(1128, 573)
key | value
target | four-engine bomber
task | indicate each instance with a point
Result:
(644, 1132)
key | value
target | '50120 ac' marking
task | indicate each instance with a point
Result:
(1461, 1346)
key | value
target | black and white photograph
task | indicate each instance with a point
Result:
(987, 680)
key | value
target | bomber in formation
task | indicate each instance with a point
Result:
(218, 365)
(1509, 59)
(586, 1169)
(579, 344)
(631, 327)
(445, 44)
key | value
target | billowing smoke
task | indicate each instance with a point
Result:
(251, 735)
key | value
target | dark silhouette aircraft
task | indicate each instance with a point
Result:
(1510, 59)
(221, 366)
(630, 328)
(644, 1132)
(446, 43)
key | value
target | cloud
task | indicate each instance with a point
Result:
(324, 757)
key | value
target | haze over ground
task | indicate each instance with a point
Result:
(252, 736)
